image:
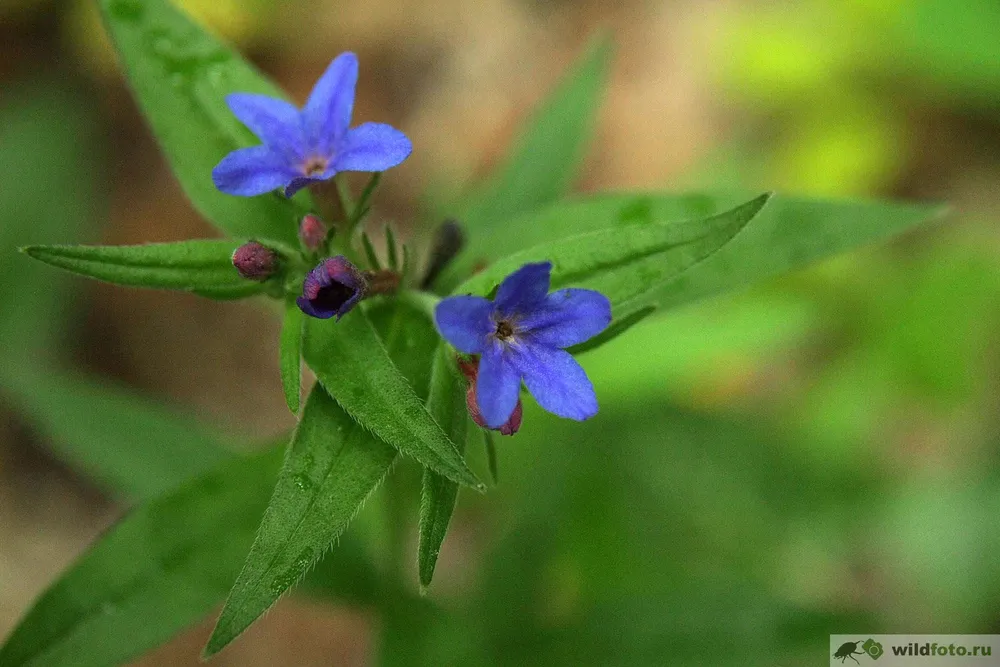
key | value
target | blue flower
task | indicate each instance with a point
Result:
(302, 147)
(332, 288)
(520, 336)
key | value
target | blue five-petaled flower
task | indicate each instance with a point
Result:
(520, 336)
(302, 147)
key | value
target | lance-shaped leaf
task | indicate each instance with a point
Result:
(352, 363)
(160, 569)
(625, 264)
(290, 355)
(790, 232)
(545, 160)
(332, 466)
(127, 443)
(181, 75)
(446, 403)
(204, 267)
(42, 126)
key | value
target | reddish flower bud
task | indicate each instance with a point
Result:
(312, 232)
(470, 369)
(255, 261)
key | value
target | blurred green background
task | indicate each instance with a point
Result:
(818, 455)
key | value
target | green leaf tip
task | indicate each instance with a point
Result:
(332, 466)
(201, 266)
(446, 403)
(630, 263)
(543, 161)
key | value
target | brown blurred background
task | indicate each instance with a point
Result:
(885, 358)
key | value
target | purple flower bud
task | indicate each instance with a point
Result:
(332, 288)
(312, 232)
(255, 261)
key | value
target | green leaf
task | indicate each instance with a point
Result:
(392, 252)
(160, 569)
(790, 232)
(181, 75)
(42, 125)
(626, 264)
(407, 262)
(446, 403)
(204, 266)
(351, 362)
(545, 160)
(332, 466)
(370, 255)
(619, 326)
(126, 442)
(410, 337)
(347, 573)
(290, 355)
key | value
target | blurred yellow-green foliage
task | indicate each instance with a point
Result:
(818, 455)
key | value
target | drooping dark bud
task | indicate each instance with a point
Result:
(255, 261)
(448, 241)
(332, 288)
(470, 369)
(312, 232)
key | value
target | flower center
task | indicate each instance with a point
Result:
(314, 166)
(505, 330)
(333, 296)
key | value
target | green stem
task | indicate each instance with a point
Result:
(346, 200)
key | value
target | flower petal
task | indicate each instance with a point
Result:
(298, 182)
(497, 385)
(568, 317)
(555, 379)
(251, 171)
(276, 122)
(465, 322)
(371, 147)
(327, 114)
(524, 290)
(306, 306)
